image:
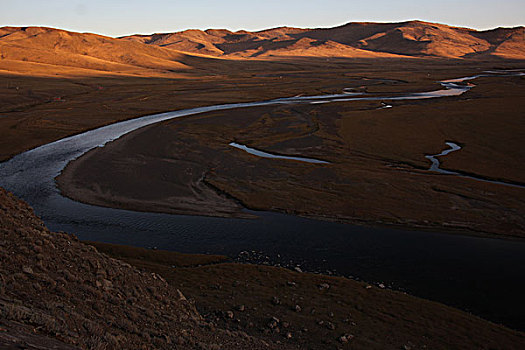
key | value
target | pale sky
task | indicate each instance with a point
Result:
(123, 17)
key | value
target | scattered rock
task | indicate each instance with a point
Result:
(345, 338)
(297, 308)
(106, 284)
(298, 269)
(276, 301)
(408, 346)
(274, 322)
(181, 296)
(229, 314)
(324, 286)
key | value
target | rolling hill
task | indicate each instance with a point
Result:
(413, 38)
(51, 51)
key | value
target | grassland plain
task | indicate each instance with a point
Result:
(378, 172)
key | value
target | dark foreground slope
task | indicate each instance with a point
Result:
(59, 293)
(53, 286)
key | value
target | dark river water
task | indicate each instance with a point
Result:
(480, 275)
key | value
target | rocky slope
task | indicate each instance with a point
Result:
(56, 292)
(413, 38)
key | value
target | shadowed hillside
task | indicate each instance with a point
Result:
(414, 38)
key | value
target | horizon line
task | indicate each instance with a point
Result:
(259, 30)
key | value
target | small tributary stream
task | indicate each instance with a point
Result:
(434, 158)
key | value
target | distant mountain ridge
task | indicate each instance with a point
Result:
(50, 51)
(412, 38)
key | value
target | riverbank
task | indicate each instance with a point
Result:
(310, 310)
(52, 299)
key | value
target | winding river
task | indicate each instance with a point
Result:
(481, 275)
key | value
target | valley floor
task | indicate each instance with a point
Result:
(378, 173)
(377, 176)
